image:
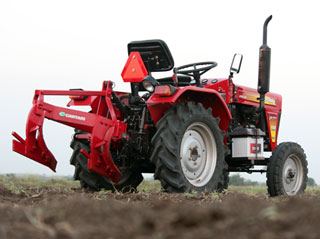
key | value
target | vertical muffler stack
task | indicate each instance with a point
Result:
(264, 65)
(264, 74)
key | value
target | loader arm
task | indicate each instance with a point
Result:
(101, 130)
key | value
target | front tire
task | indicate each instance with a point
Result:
(287, 170)
(95, 182)
(189, 150)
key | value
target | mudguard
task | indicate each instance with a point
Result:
(158, 104)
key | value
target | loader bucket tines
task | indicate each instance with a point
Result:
(101, 130)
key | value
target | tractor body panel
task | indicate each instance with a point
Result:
(237, 94)
(273, 109)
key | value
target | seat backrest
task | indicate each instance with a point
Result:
(155, 54)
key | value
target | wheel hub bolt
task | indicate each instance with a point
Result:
(290, 175)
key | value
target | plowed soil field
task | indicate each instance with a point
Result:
(50, 212)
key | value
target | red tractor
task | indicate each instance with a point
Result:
(187, 130)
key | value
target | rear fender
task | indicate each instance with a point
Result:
(158, 104)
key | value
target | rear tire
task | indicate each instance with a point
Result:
(189, 150)
(287, 170)
(95, 182)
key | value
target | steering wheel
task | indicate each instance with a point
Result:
(195, 70)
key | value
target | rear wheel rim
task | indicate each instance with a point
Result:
(292, 175)
(198, 154)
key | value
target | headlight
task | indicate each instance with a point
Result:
(149, 83)
(148, 86)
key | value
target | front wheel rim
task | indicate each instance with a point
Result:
(292, 175)
(198, 154)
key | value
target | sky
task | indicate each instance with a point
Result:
(64, 44)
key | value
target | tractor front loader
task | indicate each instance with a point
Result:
(189, 131)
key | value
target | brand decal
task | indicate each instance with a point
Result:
(273, 120)
(254, 98)
(270, 101)
(255, 148)
(77, 117)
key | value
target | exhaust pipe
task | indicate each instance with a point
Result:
(264, 65)
(264, 75)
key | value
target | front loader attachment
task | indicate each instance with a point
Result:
(101, 130)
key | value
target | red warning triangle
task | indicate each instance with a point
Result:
(134, 70)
